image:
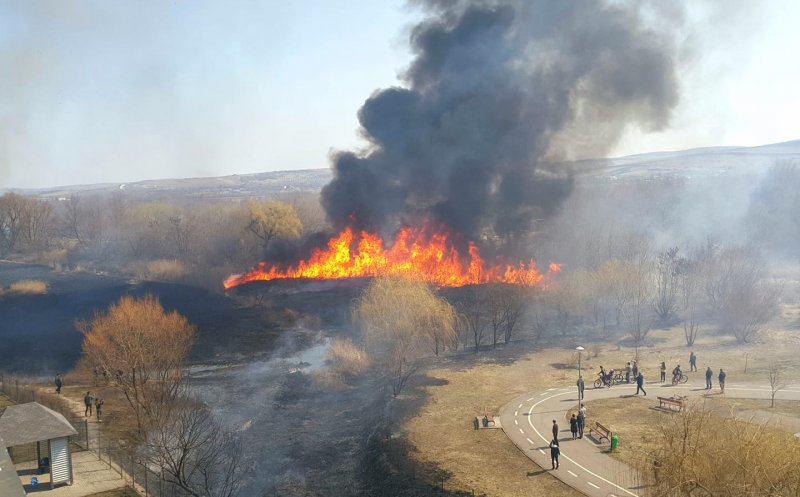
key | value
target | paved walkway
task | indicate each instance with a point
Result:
(527, 420)
(91, 476)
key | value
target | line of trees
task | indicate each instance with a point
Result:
(114, 232)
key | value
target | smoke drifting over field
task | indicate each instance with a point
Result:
(499, 92)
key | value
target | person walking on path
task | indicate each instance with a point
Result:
(635, 370)
(692, 361)
(640, 384)
(554, 453)
(98, 409)
(709, 375)
(573, 426)
(555, 430)
(581, 420)
(59, 381)
(581, 386)
(87, 401)
(721, 379)
(628, 373)
(663, 371)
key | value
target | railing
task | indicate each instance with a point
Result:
(132, 467)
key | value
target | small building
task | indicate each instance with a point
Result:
(10, 486)
(29, 423)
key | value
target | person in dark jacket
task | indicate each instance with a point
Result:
(692, 361)
(555, 430)
(721, 379)
(87, 401)
(581, 420)
(98, 408)
(59, 381)
(709, 375)
(640, 384)
(635, 370)
(581, 386)
(573, 426)
(554, 453)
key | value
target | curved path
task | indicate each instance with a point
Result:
(527, 420)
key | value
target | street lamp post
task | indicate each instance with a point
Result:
(580, 375)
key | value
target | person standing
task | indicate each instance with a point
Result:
(59, 381)
(640, 384)
(692, 361)
(581, 420)
(98, 409)
(709, 375)
(573, 426)
(628, 373)
(581, 386)
(721, 379)
(663, 371)
(555, 430)
(554, 453)
(87, 401)
(635, 370)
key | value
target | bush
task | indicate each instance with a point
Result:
(28, 287)
(346, 359)
(161, 269)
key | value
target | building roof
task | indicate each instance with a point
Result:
(32, 422)
(10, 486)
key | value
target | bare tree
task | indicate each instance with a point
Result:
(396, 316)
(504, 305)
(747, 309)
(142, 349)
(777, 380)
(196, 454)
(473, 314)
(12, 213)
(636, 285)
(748, 459)
(668, 268)
(688, 290)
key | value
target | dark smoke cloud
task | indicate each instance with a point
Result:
(498, 96)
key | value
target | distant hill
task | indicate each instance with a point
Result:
(693, 163)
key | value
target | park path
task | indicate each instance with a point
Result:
(584, 464)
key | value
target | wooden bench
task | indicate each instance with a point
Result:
(601, 431)
(669, 402)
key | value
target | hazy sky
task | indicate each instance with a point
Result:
(113, 91)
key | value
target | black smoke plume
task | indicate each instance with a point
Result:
(500, 94)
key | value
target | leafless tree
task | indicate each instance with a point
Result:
(747, 309)
(271, 219)
(668, 268)
(12, 213)
(195, 453)
(777, 380)
(636, 286)
(504, 305)
(473, 314)
(688, 291)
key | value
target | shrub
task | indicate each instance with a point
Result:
(345, 358)
(28, 287)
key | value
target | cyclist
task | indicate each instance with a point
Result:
(676, 374)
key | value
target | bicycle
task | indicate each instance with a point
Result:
(682, 379)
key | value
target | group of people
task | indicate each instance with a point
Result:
(576, 424)
(98, 402)
(608, 378)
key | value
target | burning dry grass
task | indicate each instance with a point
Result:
(26, 287)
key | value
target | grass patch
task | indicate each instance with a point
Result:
(782, 407)
(5, 401)
(27, 287)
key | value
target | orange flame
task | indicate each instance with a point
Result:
(413, 254)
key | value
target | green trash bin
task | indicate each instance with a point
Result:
(614, 441)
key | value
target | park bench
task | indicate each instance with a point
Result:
(670, 401)
(488, 419)
(601, 431)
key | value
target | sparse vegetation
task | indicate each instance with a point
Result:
(27, 287)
